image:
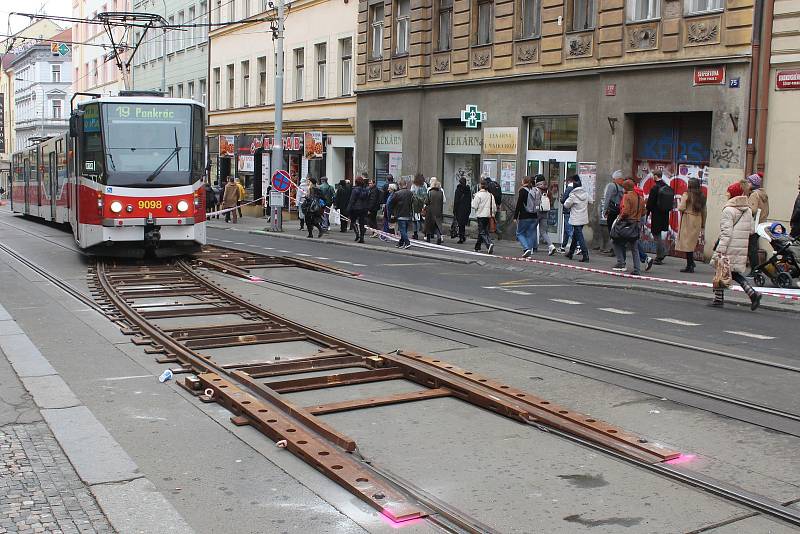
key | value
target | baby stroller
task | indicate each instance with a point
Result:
(782, 267)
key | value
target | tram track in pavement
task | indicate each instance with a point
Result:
(440, 514)
(747, 411)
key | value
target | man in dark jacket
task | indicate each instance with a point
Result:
(374, 205)
(357, 208)
(341, 199)
(526, 215)
(401, 210)
(327, 194)
(462, 206)
(659, 218)
(794, 222)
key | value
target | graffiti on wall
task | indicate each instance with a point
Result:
(727, 156)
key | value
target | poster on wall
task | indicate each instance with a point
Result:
(312, 145)
(227, 146)
(246, 163)
(395, 163)
(588, 174)
(489, 168)
(508, 176)
(266, 174)
(500, 140)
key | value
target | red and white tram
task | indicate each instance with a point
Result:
(127, 178)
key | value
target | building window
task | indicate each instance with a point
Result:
(202, 90)
(190, 90)
(245, 83)
(643, 10)
(56, 109)
(230, 87)
(444, 25)
(702, 6)
(346, 67)
(485, 23)
(583, 13)
(204, 19)
(402, 19)
(553, 133)
(171, 39)
(530, 18)
(262, 80)
(376, 33)
(193, 30)
(217, 87)
(299, 59)
(181, 37)
(180, 90)
(322, 63)
(55, 73)
(94, 72)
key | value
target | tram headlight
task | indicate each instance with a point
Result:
(183, 206)
(116, 206)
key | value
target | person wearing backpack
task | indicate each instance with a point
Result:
(357, 208)
(543, 207)
(660, 203)
(494, 188)
(419, 196)
(612, 198)
(526, 215)
(326, 192)
(312, 208)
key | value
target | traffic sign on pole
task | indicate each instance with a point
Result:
(281, 181)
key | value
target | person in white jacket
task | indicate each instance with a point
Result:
(578, 205)
(484, 207)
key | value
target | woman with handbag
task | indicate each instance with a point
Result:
(434, 212)
(730, 253)
(578, 205)
(627, 227)
(692, 207)
(485, 208)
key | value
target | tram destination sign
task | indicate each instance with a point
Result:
(145, 113)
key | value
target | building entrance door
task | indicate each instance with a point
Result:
(555, 166)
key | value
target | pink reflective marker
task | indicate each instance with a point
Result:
(682, 459)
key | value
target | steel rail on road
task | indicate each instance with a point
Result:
(700, 392)
(242, 387)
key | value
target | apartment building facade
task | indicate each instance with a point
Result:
(781, 158)
(319, 102)
(42, 90)
(185, 74)
(94, 67)
(508, 88)
(42, 29)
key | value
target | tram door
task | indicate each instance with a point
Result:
(53, 183)
(26, 177)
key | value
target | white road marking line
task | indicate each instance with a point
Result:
(566, 301)
(517, 292)
(616, 310)
(237, 243)
(267, 248)
(320, 258)
(116, 378)
(359, 265)
(748, 334)
(406, 264)
(285, 251)
(303, 255)
(344, 262)
(677, 321)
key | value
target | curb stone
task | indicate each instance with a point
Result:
(130, 501)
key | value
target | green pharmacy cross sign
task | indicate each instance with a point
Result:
(472, 117)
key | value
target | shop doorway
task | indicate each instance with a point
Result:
(555, 166)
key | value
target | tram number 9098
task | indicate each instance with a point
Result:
(149, 204)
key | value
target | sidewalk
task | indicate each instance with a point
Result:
(61, 469)
(665, 278)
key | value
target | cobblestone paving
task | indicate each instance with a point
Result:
(39, 489)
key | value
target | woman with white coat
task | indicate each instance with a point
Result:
(735, 227)
(484, 208)
(578, 205)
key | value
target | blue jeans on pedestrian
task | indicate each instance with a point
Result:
(642, 254)
(578, 241)
(541, 231)
(526, 233)
(621, 248)
(402, 227)
(567, 230)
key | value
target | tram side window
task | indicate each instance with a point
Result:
(61, 163)
(91, 143)
(198, 153)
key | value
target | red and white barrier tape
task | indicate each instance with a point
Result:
(423, 244)
(226, 210)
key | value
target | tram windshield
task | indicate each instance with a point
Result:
(148, 145)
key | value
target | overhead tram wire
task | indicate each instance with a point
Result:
(42, 40)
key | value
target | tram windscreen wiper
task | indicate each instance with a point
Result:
(164, 163)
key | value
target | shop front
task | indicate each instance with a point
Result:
(461, 159)
(388, 152)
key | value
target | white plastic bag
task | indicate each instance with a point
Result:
(335, 216)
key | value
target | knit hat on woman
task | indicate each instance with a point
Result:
(755, 180)
(735, 190)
